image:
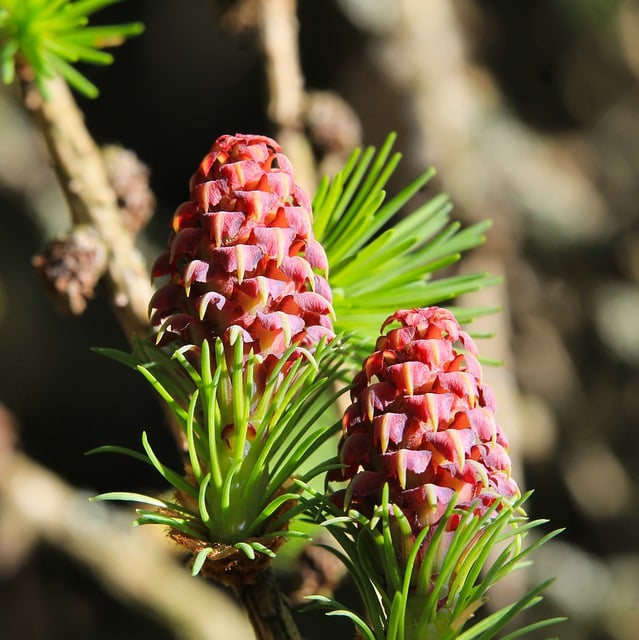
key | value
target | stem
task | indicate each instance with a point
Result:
(136, 569)
(279, 30)
(83, 177)
(267, 608)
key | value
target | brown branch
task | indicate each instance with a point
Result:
(283, 70)
(92, 201)
(45, 508)
(268, 610)
(279, 31)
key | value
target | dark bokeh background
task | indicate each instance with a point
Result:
(549, 151)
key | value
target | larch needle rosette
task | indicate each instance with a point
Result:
(40, 39)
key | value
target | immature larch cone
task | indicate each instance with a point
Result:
(242, 253)
(422, 421)
(242, 262)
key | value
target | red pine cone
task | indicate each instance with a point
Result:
(422, 420)
(242, 253)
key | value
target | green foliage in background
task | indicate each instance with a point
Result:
(380, 262)
(50, 36)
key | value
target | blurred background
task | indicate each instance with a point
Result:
(530, 113)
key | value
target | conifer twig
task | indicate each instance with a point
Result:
(48, 509)
(83, 177)
(279, 31)
(268, 610)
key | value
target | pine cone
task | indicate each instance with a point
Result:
(422, 421)
(242, 253)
